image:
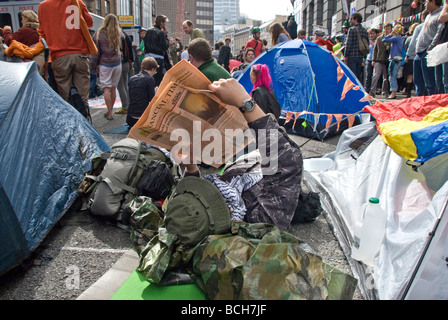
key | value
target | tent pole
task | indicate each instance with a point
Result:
(425, 250)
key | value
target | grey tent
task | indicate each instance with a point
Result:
(46, 146)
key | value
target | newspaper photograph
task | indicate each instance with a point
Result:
(187, 118)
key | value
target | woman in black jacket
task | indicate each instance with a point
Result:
(263, 93)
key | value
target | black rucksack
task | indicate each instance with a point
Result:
(156, 181)
(76, 101)
(308, 208)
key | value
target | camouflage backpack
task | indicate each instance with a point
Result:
(260, 262)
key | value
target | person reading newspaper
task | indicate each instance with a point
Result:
(253, 191)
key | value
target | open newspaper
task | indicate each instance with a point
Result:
(189, 120)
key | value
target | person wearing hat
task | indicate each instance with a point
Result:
(345, 26)
(337, 47)
(246, 191)
(195, 210)
(255, 42)
(320, 34)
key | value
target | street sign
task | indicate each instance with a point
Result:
(126, 21)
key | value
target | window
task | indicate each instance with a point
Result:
(137, 13)
(98, 7)
(106, 7)
(125, 10)
(5, 20)
(204, 4)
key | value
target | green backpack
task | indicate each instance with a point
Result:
(116, 185)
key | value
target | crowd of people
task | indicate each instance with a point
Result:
(396, 60)
(75, 61)
(254, 46)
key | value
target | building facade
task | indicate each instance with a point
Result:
(140, 10)
(331, 14)
(226, 13)
(239, 34)
(200, 12)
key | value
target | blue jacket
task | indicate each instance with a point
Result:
(396, 49)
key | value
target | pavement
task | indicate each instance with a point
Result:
(85, 257)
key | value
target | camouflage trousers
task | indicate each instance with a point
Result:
(255, 261)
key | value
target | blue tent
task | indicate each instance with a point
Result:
(46, 146)
(305, 79)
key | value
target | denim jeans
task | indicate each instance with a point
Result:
(355, 64)
(419, 82)
(429, 74)
(439, 79)
(368, 75)
(445, 76)
(393, 70)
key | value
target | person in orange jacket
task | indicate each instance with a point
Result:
(60, 25)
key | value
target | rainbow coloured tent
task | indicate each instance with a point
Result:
(314, 88)
(416, 128)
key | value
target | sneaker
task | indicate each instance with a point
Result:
(121, 111)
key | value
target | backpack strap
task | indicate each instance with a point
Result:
(114, 183)
(133, 171)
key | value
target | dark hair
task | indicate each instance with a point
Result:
(357, 16)
(200, 49)
(188, 22)
(160, 19)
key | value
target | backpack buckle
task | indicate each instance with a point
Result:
(119, 155)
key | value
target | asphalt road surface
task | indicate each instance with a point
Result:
(84, 247)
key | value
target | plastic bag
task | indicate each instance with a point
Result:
(438, 55)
